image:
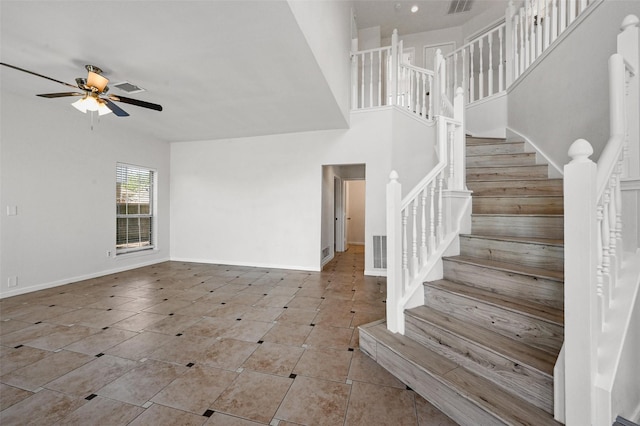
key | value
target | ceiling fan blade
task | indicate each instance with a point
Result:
(38, 75)
(60, 95)
(115, 108)
(136, 102)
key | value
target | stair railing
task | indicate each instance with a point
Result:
(423, 224)
(488, 64)
(380, 79)
(594, 263)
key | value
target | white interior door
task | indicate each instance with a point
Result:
(355, 209)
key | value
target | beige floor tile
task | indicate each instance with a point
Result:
(365, 407)
(159, 415)
(196, 309)
(428, 415)
(275, 301)
(43, 313)
(210, 327)
(262, 313)
(25, 335)
(328, 364)
(140, 384)
(229, 310)
(196, 390)
(62, 337)
(333, 318)
(139, 321)
(14, 358)
(315, 402)
(168, 307)
(361, 318)
(302, 302)
(140, 345)
(87, 379)
(9, 326)
(45, 407)
(273, 358)
(76, 316)
(330, 337)
(141, 303)
(364, 369)
(11, 395)
(253, 396)
(184, 349)
(105, 318)
(297, 316)
(102, 411)
(34, 376)
(110, 302)
(101, 341)
(228, 353)
(288, 334)
(247, 330)
(219, 419)
(173, 324)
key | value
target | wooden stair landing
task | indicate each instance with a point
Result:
(483, 346)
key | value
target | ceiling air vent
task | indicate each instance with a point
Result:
(459, 6)
(125, 86)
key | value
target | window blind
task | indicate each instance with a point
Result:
(134, 208)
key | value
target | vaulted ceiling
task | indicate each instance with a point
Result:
(220, 69)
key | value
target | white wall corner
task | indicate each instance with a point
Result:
(555, 170)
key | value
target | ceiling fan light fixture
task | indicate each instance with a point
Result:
(89, 103)
(97, 81)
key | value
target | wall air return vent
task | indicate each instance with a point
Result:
(380, 251)
(459, 6)
(125, 86)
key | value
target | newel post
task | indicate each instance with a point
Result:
(581, 324)
(394, 67)
(438, 82)
(395, 321)
(629, 48)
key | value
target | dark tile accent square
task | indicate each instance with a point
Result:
(179, 334)
(18, 347)
(223, 303)
(350, 349)
(408, 388)
(39, 322)
(293, 376)
(260, 341)
(322, 297)
(312, 325)
(238, 319)
(171, 314)
(285, 307)
(104, 328)
(99, 355)
(165, 299)
(353, 312)
(51, 306)
(111, 295)
(90, 397)
(109, 309)
(208, 413)
(190, 365)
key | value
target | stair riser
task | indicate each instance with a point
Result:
(546, 292)
(503, 173)
(470, 141)
(518, 205)
(447, 400)
(545, 256)
(532, 331)
(522, 159)
(551, 227)
(517, 187)
(520, 380)
(499, 148)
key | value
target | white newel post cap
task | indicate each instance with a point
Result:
(459, 91)
(580, 151)
(629, 21)
(393, 176)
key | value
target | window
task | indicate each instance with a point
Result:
(134, 208)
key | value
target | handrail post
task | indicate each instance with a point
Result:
(395, 321)
(394, 67)
(508, 19)
(629, 47)
(581, 325)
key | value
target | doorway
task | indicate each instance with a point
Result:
(354, 212)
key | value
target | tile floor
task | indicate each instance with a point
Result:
(193, 344)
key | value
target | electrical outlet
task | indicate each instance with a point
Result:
(108, 253)
(12, 210)
(12, 282)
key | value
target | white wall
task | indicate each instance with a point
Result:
(258, 201)
(418, 41)
(327, 28)
(566, 96)
(488, 117)
(61, 177)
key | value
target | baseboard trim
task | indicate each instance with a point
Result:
(52, 284)
(375, 272)
(250, 265)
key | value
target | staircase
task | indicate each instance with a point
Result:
(483, 346)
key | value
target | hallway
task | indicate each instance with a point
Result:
(187, 343)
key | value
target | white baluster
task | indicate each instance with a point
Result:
(371, 79)
(554, 21)
(527, 25)
(471, 76)
(432, 217)
(563, 16)
(423, 112)
(606, 235)
(440, 225)
(423, 227)
(547, 15)
(455, 69)
(532, 36)
(516, 54)
(490, 75)
(414, 238)
(619, 258)
(539, 28)
(451, 153)
(613, 249)
(418, 97)
(480, 71)
(523, 36)
(405, 256)
(572, 10)
(430, 113)
(599, 267)
(364, 60)
(464, 72)
(502, 64)
(379, 77)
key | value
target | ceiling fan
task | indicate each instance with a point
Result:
(93, 93)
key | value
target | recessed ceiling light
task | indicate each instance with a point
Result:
(414, 8)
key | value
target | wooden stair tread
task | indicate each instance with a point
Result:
(517, 215)
(530, 240)
(520, 306)
(511, 267)
(514, 350)
(482, 392)
(470, 140)
(510, 196)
